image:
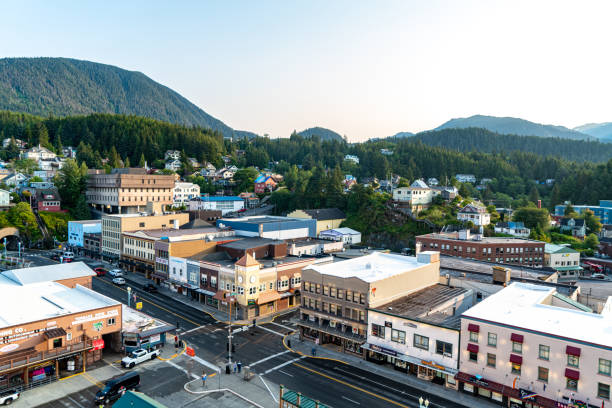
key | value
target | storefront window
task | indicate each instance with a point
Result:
(573, 361)
(378, 330)
(603, 391)
(492, 340)
(544, 352)
(398, 336)
(421, 342)
(571, 384)
(604, 366)
(543, 374)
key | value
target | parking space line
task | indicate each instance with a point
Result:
(284, 364)
(269, 358)
(271, 331)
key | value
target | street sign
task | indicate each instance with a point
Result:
(138, 305)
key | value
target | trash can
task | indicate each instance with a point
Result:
(227, 369)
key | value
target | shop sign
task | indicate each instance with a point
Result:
(98, 344)
(388, 324)
(98, 326)
(97, 316)
(155, 338)
(479, 381)
(384, 350)
(332, 323)
(432, 364)
(162, 261)
(19, 333)
(468, 387)
(526, 394)
(251, 302)
(410, 324)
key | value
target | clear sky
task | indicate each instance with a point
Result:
(362, 68)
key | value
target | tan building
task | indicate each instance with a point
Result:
(114, 225)
(336, 296)
(128, 190)
(327, 218)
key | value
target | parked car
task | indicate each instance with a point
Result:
(100, 271)
(149, 287)
(119, 281)
(114, 388)
(599, 276)
(138, 356)
(8, 397)
(115, 273)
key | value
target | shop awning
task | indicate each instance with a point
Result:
(517, 338)
(267, 297)
(206, 292)
(516, 359)
(472, 348)
(285, 294)
(54, 333)
(572, 351)
(409, 359)
(568, 268)
(572, 374)
(474, 328)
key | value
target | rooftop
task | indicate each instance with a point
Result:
(343, 230)
(370, 268)
(554, 249)
(217, 198)
(265, 219)
(172, 232)
(323, 214)
(453, 236)
(86, 222)
(248, 243)
(137, 322)
(55, 272)
(524, 306)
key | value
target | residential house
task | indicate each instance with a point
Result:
(264, 184)
(351, 157)
(194, 163)
(208, 170)
(432, 181)
(225, 174)
(516, 229)
(386, 152)
(174, 165)
(38, 153)
(349, 181)
(183, 192)
(7, 141)
(48, 200)
(172, 155)
(69, 152)
(576, 226)
(14, 179)
(5, 199)
(250, 199)
(465, 178)
(345, 235)
(327, 218)
(418, 196)
(475, 213)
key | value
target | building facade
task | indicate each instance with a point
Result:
(272, 227)
(78, 229)
(183, 192)
(327, 218)
(563, 259)
(345, 235)
(603, 210)
(475, 213)
(225, 204)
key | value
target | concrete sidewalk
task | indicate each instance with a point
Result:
(305, 348)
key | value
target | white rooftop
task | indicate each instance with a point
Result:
(55, 272)
(46, 300)
(370, 268)
(135, 321)
(521, 305)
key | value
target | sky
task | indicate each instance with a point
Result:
(362, 68)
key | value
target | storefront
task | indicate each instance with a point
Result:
(333, 334)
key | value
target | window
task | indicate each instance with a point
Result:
(326, 290)
(444, 348)
(474, 337)
(604, 366)
(492, 339)
(421, 342)
(318, 288)
(57, 343)
(340, 293)
(349, 295)
(68, 336)
(473, 356)
(398, 336)
(603, 391)
(573, 361)
(362, 316)
(544, 352)
(332, 292)
(491, 360)
(572, 384)
(306, 286)
(141, 224)
(517, 347)
(543, 374)
(110, 322)
(516, 369)
(378, 330)
(355, 297)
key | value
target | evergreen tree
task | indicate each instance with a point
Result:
(43, 135)
(57, 143)
(569, 211)
(126, 162)
(114, 158)
(82, 210)
(534, 195)
(555, 196)
(142, 162)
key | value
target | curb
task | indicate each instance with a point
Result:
(175, 355)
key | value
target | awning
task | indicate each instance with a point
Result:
(572, 351)
(472, 348)
(54, 333)
(269, 296)
(516, 359)
(98, 344)
(159, 275)
(285, 294)
(409, 359)
(474, 328)
(517, 338)
(206, 292)
(572, 374)
(568, 268)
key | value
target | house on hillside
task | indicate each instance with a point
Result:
(465, 178)
(174, 165)
(418, 196)
(476, 213)
(38, 153)
(516, 229)
(576, 226)
(48, 200)
(172, 155)
(432, 181)
(14, 179)
(250, 199)
(264, 184)
(351, 157)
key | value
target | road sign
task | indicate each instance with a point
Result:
(138, 305)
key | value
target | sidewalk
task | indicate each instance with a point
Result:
(305, 348)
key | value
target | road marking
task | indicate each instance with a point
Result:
(271, 331)
(350, 400)
(74, 401)
(195, 328)
(375, 382)
(269, 358)
(351, 386)
(284, 364)
(205, 363)
(173, 364)
(284, 327)
(281, 371)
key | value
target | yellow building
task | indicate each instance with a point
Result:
(327, 218)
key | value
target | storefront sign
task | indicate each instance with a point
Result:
(161, 261)
(468, 387)
(97, 316)
(432, 364)
(98, 326)
(479, 381)
(526, 394)
(384, 350)
(410, 324)
(388, 324)
(98, 344)
(8, 348)
(155, 338)
(19, 333)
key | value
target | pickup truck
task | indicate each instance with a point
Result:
(138, 356)
(7, 397)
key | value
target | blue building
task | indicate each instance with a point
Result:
(271, 227)
(76, 229)
(603, 210)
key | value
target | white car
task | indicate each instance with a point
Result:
(138, 356)
(599, 276)
(8, 397)
(119, 281)
(115, 273)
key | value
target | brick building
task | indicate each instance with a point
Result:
(492, 249)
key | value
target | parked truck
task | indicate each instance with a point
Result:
(138, 356)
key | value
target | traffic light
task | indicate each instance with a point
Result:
(233, 348)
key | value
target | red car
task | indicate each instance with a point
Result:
(100, 271)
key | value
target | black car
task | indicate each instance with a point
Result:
(149, 287)
(115, 387)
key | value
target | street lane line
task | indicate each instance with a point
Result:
(271, 331)
(205, 363)
(74, 401)
(284, 327)
(350, 400)
(269, 358)
(178, 367)
(284, 364)
(269, 390)
(195, 328)
(281, 371)
(374, 382)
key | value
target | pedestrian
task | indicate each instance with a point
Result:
(239, 366)
(235, 367)
(204, 378)
(314, 351)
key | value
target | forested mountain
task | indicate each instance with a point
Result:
(602, 131)
(482, 140)
(513, 126)
(403, 134)
(322, 133)
(62, 87)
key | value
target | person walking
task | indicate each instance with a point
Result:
(239, 367)
(235, 367)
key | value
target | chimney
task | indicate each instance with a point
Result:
(539, 203)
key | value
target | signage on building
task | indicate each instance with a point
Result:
(385, 350)
(8, 348)
(90, 317)
(161, 261)
(410, 324)
(98, 344)
(526, 394)
(138, 305)
(432, 364)
(388, 324)
(98, 326)
(155, 338)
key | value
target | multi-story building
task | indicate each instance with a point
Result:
(183, 192)
(474, 213)
(529, 346)
(273, 227)
(38, 153)
(418, 196)
(419, 333)
(114, 225)
(264, 184)
(78, 229)
(465, 178)
(603, 210)
(48, 200)
(327, 218)
(563, 259)
(91, 244)
(492, 249)
(336, 296)
(225, 204)
(345, 235)
(575, 226)
(128, 190)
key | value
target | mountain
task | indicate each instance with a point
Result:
(513, 126)
(63, 86)
(403, 134)
(324, 134)
(602, 131)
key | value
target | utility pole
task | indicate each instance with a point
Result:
(229, 331)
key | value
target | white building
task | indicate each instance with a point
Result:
(419, 195)
(419, 333)
(351, 157)
(174, 165)
(183, 192)
(465, 178)
(516, 229)
(177, 269)
(225, 204)
(563, 259)
(346, 235)
(38, 153)
(475, 213)
(533, 347)
(313, 247)
(172, 155)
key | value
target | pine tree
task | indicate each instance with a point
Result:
(534, 195)
(126, 162)
(114, 158)
(43, 135)
(57, 143)
(555, 196)
(81, 211)
(142, 163)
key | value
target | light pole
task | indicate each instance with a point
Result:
(229, 330)
(4, 247)
(129, 292)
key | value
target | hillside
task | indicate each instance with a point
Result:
(602, 131)
(513, 126)
(403, 134)
(63, 87)
(323, 133)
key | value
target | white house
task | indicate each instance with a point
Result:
(475, 213)
(465, 178)
(38, 153)
(177, 269)
(351, 157)
(14, 180)
(225, 204)
(419, 195)
(516, 229)
(183, 192)
(174, 165)
(5, 198)
(225, 173)
(172, 155)
(346, 235)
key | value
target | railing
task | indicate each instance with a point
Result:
(32, 384)
(35, 357)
